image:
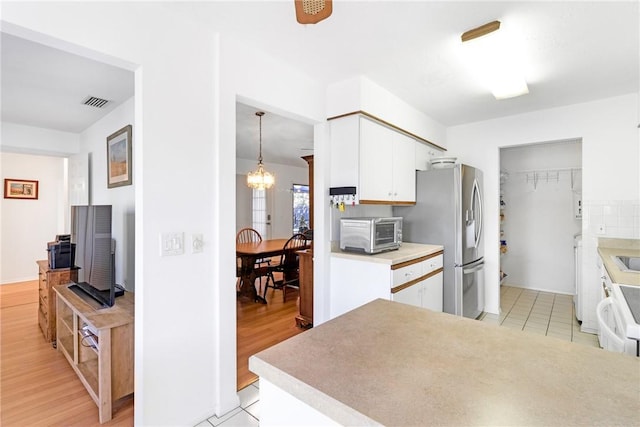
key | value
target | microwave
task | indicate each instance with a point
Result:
(370, 235)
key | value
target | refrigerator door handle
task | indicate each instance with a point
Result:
(472, 268)
(476, 194)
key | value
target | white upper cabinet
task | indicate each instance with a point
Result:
(378, 160)
(424, 154)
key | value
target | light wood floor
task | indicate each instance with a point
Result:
(260, 326)
(38, 387)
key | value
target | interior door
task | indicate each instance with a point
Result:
(269, 213)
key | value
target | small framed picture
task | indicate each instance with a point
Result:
(20, 189)
(119, 159)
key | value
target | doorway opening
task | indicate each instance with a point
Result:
(540, 215)
(275, 213)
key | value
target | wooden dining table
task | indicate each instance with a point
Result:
(249, 253)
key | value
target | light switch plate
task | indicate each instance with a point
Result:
(171, 244)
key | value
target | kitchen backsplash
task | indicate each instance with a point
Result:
(612, 218)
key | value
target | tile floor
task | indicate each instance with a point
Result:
(246, 415)
(530, 311)
(541, 313)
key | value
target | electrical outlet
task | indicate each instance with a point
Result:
(171, 244)
(600, 229)
(197, 243)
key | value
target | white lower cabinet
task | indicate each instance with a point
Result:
(426, 291)
(357, 281)
(425, 294)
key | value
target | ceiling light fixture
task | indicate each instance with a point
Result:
(496, 59)
(260, 179)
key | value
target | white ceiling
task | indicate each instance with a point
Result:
(284, 140)
(576, 52)
(46, 87)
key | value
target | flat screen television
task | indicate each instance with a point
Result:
(95, 254)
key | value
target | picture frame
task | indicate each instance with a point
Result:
(119, 159)
(26, 189)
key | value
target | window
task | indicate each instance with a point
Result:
(259, 210)
(300, 208)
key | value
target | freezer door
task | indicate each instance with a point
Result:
(471, 211)
(470, 290)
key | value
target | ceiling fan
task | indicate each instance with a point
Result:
(312, 11)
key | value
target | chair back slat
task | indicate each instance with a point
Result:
(247, 235)
(290, 258)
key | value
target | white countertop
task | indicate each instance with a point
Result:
(610, 247)
(407, 252)
(394, 364)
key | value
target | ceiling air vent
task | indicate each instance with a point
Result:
(92, 101)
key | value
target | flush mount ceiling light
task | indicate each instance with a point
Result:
(260, 179)
(312, 11)
(495, 58)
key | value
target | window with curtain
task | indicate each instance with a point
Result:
(259, 210)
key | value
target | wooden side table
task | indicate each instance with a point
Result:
(304, 319)
(47, 279)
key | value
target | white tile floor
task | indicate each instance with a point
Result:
(246, 415)
(541, 313)
(530, 311)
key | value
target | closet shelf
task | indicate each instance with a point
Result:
(548, 175)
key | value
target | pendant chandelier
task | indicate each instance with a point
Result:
(260, 179)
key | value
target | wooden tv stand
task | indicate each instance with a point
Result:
(106, 370)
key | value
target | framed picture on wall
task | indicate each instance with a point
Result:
(119, 159)
(20, 189)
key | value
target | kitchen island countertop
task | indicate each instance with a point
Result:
(393, 364)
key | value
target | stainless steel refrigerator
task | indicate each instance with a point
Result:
(448, 211)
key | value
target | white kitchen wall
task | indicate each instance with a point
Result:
(93, 141)
(280, 196)
(610, 153)
(540, 223)
(27, 225)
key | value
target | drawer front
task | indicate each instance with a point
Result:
(43, 321)
(44, 306)
(408, 273)
(44, 296)
(432, 264)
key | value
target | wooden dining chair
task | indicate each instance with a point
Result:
(288, 267)
(248, 235)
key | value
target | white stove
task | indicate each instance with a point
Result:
(628, 301)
